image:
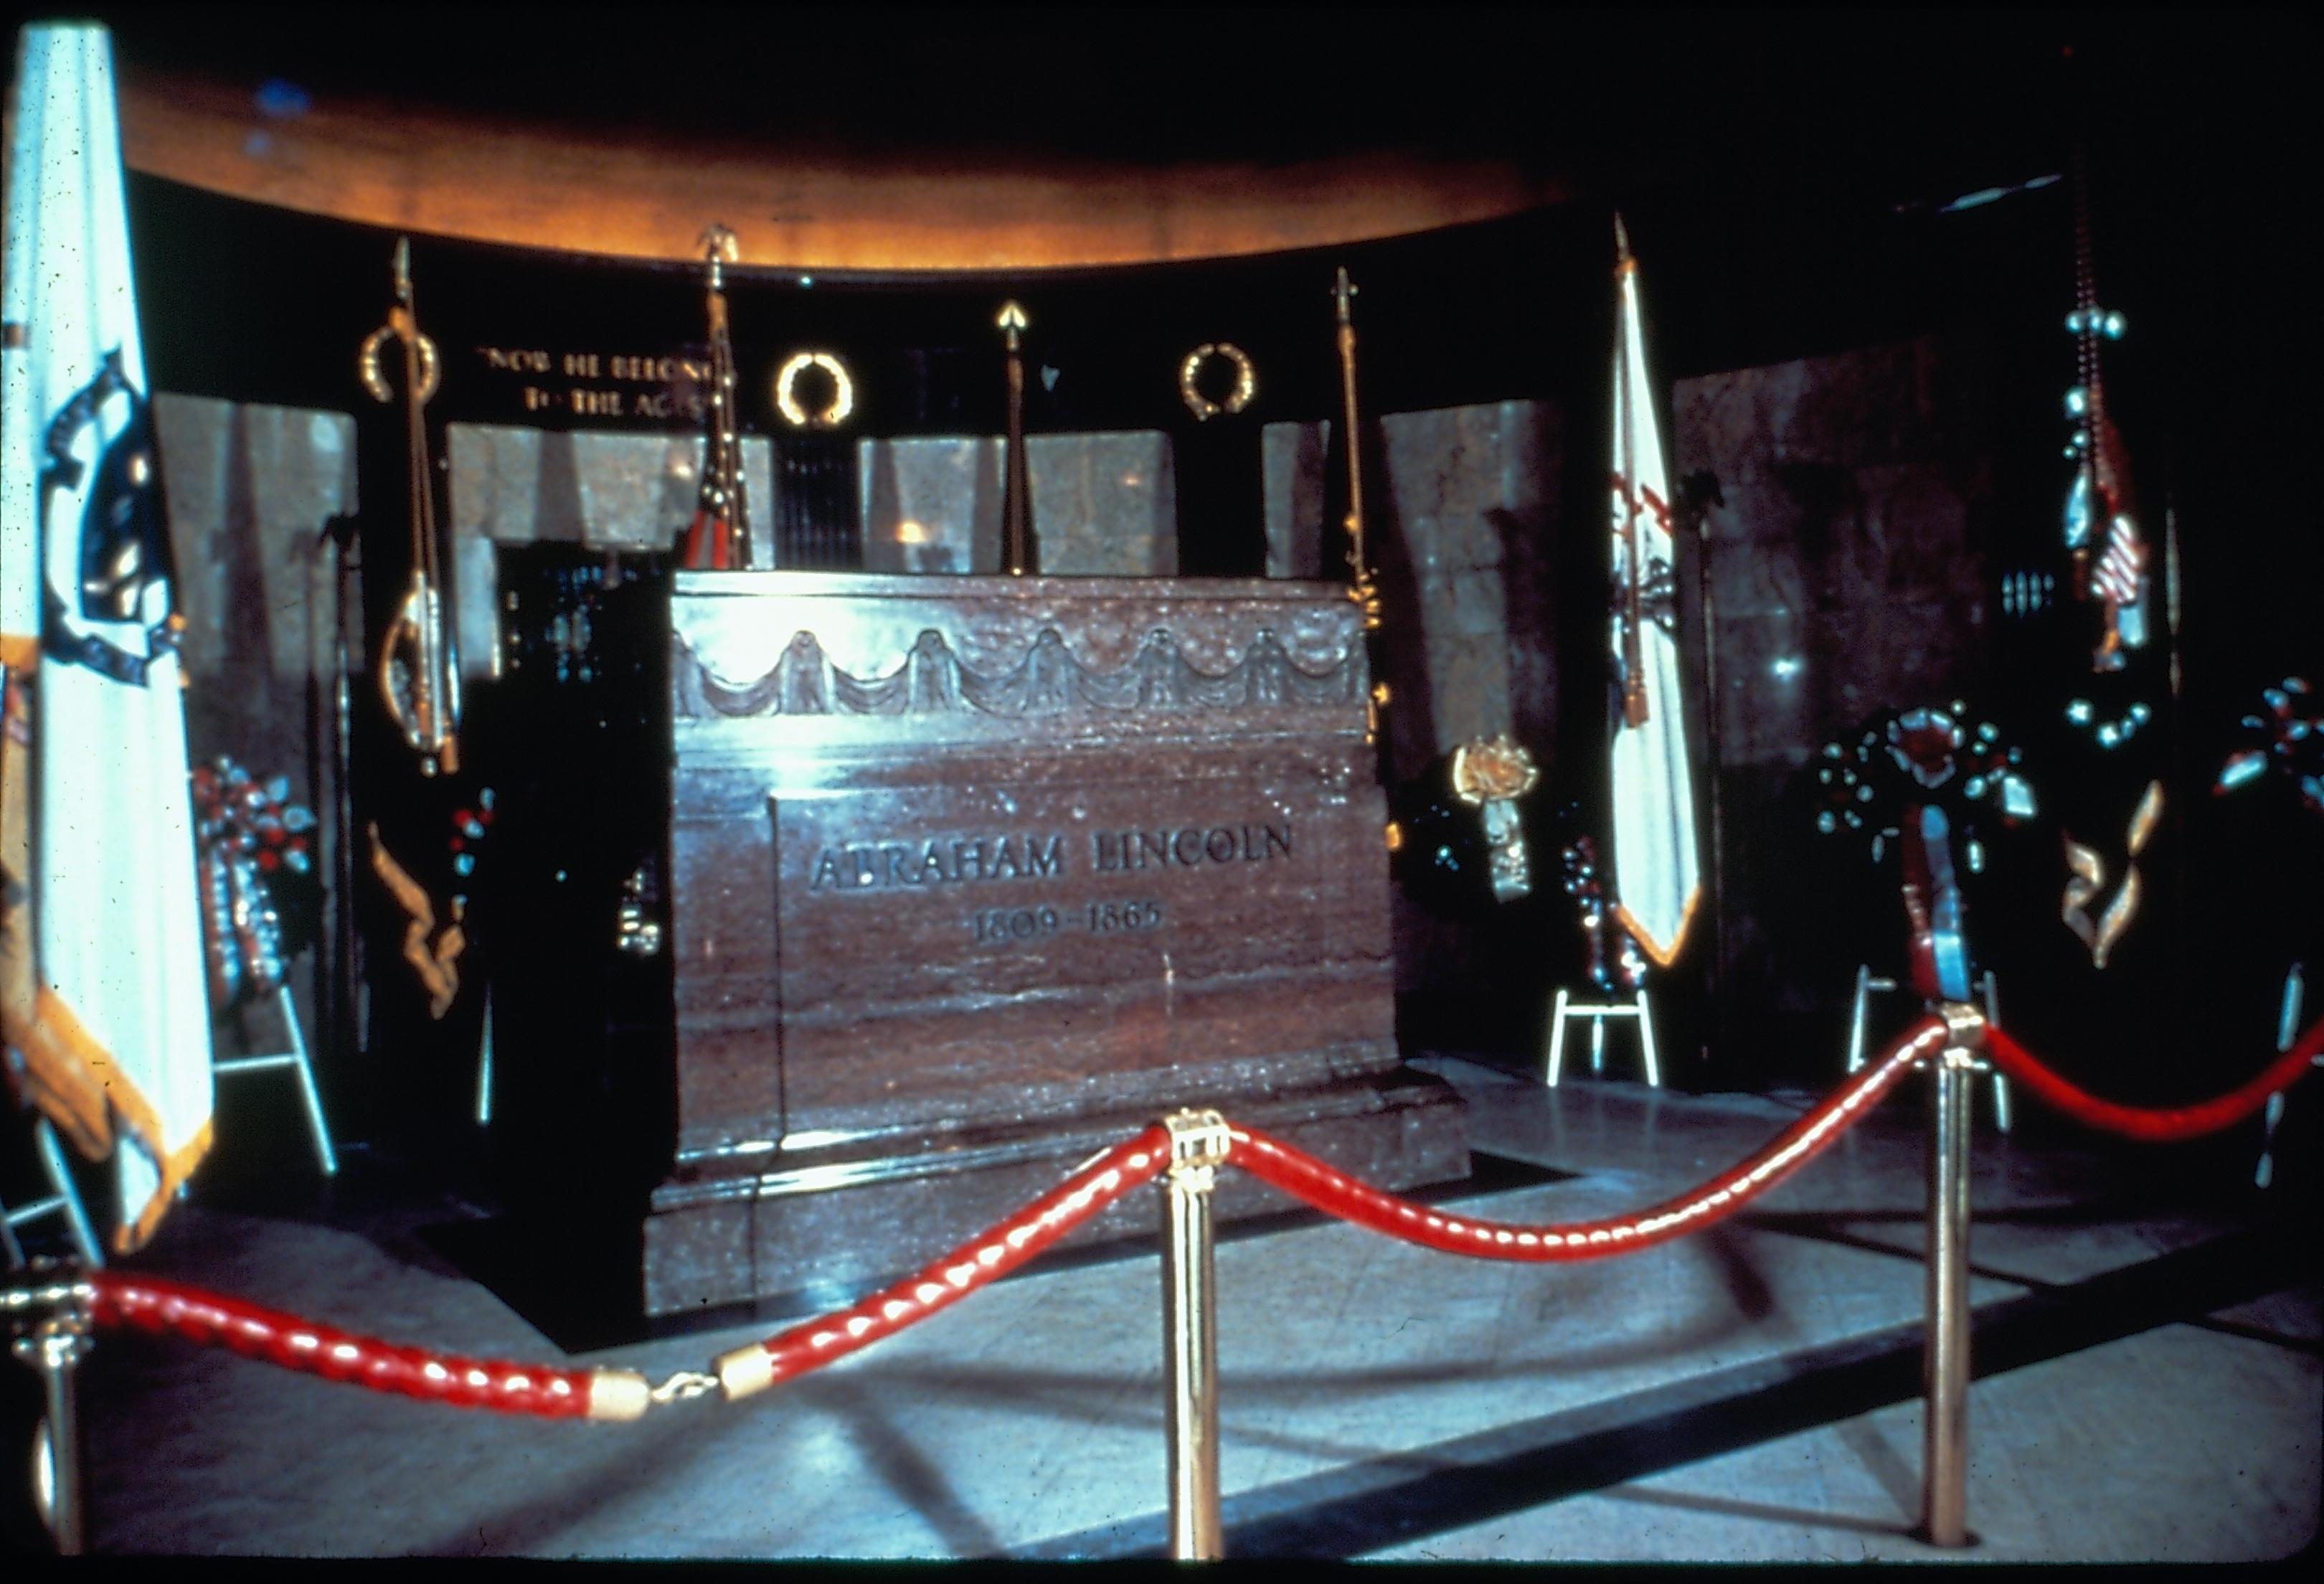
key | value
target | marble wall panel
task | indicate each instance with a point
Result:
(1103, 504)
(931, 504)
(1461, 501)
(513, 485)
(1291, 469)
(1847, 570)
(1846, 560)
(248, 490)
(1462, 504)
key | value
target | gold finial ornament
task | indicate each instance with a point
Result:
(720, 246)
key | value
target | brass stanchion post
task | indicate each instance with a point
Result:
(1945, 1366)
(50, 1326)
(1198, 1146)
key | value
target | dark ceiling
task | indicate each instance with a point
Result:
(1592, 95)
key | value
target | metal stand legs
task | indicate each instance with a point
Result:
(295, 1059)
(65, 1201)
(2287, 1030)
(1564, 1008)
(1867, 983)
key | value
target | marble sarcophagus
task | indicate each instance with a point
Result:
(970, 876)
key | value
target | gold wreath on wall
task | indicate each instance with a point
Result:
(1246, 384)
(843, 392)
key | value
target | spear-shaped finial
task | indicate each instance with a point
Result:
(1621, 240)
(721, 246)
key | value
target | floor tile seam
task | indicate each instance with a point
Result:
(1984, 1272)
(1890, 1351)
(2310, 1347)
(1600, 1419)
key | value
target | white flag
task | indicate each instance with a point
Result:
(1656, 882)
(106, 1017)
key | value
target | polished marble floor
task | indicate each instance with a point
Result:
(2149, 1357)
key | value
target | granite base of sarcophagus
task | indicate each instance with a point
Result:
(970, 878)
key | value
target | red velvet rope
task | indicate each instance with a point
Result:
(148, 1304)
(986, 1257)
(1305, 1177)
(293, 1343)
(2156, 1125)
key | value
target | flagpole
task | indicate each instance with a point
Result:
(1019, 552)
(1715, 970)
(1361, 588)
(1634, 685)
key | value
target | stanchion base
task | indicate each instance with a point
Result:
(1920, 1532)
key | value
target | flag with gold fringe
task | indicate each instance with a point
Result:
(1657, 884)
(102, 999)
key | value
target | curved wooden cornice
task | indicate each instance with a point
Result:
(624, 193)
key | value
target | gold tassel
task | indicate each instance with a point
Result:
(2090, 878)
(438, 975)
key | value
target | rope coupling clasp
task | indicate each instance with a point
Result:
(1199, 1144)
(1965, 1027)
